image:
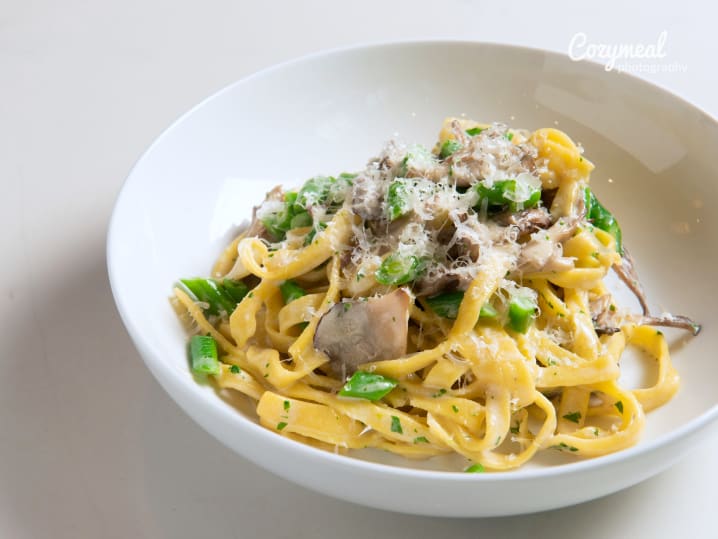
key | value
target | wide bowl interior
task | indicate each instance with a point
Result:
(329, 113)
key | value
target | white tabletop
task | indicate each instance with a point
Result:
(90, 445)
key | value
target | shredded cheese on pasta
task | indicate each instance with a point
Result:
(466, 384)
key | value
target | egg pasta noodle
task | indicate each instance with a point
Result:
(484, 260)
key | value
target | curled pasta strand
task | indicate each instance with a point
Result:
(471, 385)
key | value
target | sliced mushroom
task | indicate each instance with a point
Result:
(389, 159)
(606, 322)
(604, 318)
(543, 252)
(626, 271)
(443, 282)
(529, 161)
(366, 199)
(672, 321)
(486, 155)
(256, 228)
(526, 221)
(353, 332)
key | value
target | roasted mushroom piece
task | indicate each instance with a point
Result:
(356, 331)
(526, 221)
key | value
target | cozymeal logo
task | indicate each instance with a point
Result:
(628, 57)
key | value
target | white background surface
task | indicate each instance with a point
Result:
(90, 446)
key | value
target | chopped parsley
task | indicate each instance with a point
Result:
(281, 425)
(563, 446)
(396, 425)
(234, 369)
(573, 416)
(287, 404)
(291, 291)
(455, 408)
(475, 468)
(439, 393)
(421, 440)
(449, 147)
(619, 406)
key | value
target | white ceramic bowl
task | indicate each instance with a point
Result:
(656, 169)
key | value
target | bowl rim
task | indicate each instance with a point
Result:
(224, 411)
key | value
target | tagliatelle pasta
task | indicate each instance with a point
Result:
(445, 301)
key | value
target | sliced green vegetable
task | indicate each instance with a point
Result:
(215, 295)
(340, 187)
(418, 158)
(494, 194)
(449, 147)
(472, 132)
(514, 194)
(309, 238)
(522, 310)
(397, 199)
(397, 269)
(488, 311)
(366, 385)
(300, 220)
(602, 218)
(290, 197)
(314, 191)
(509, 136)
(396, 425)
(279, 222)
(447, 304)
(475, 468)
(235, 289)
(203, 354)
(291, 291)
(320, 190)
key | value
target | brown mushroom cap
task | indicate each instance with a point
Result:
(353, 332)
